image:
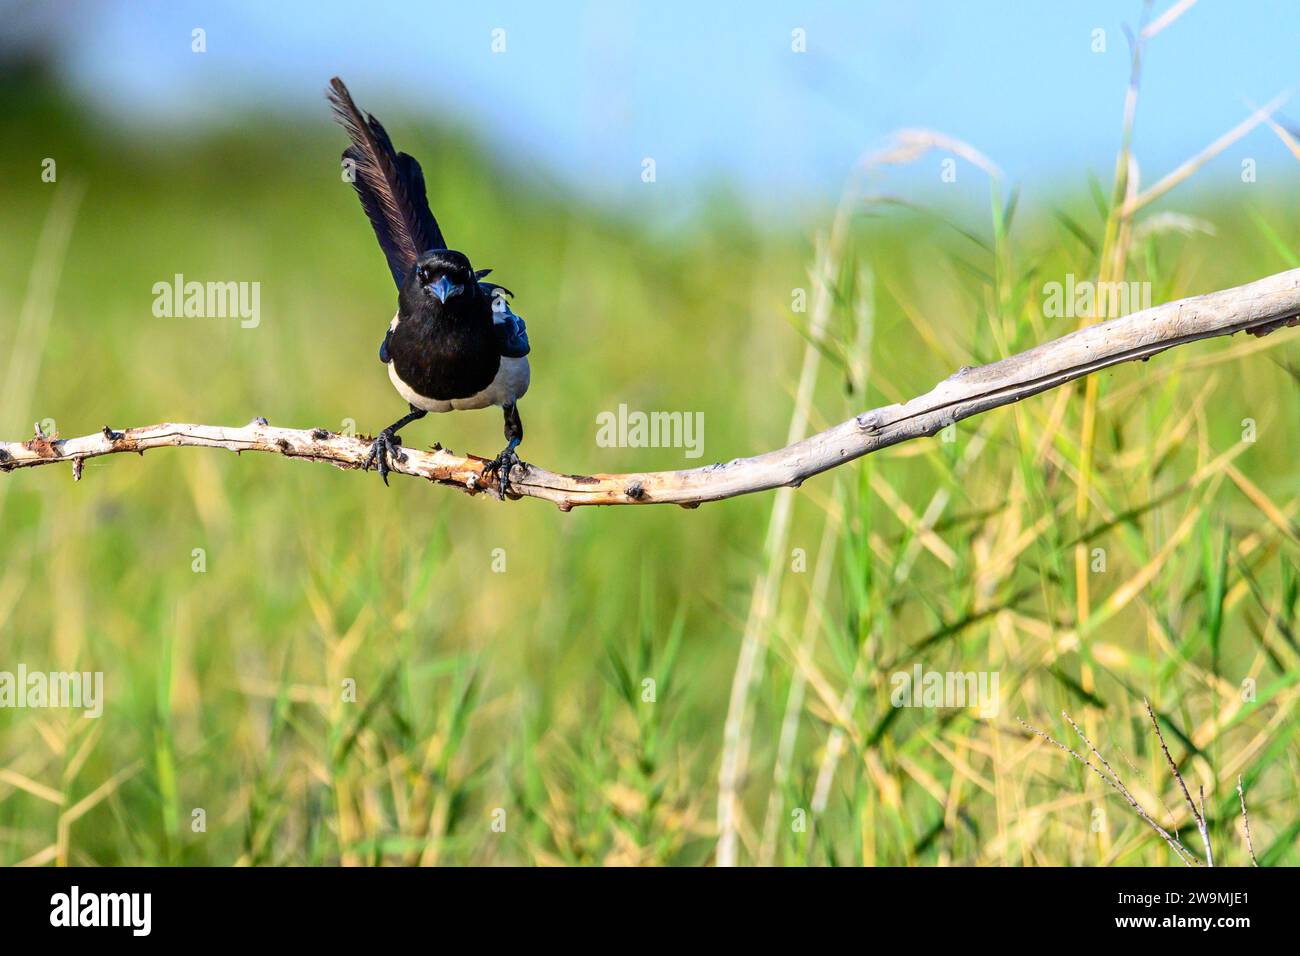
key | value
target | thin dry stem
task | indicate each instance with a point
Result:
(1172, 13)
(1197, 815)
(1115, 784)
(1250, 842)
(1184, 171)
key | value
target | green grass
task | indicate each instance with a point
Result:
(519, 697)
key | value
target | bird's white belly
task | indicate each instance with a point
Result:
(510, 384)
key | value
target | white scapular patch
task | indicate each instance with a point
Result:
(510, 384)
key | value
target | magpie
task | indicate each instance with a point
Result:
(454, 343)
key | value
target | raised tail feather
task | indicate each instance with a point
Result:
(390, 184)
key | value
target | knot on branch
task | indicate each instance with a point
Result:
(42, 445)
(869, 421)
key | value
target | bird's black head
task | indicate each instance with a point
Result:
(440, 278)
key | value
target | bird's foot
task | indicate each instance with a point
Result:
(501, 465)
(387, 447)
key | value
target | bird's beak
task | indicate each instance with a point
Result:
(443, 289)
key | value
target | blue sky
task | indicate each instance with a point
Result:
(713, 91)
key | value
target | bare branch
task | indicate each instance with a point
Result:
(1259, 307)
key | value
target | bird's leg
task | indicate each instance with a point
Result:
(388, 446)
(502, 463)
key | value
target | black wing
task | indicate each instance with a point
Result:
(509, 329)
(390, 184)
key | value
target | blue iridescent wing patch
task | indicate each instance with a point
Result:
(511, 333)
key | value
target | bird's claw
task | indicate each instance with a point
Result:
(387, 446)
(500, 466)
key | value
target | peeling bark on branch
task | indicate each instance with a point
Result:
(1259, 307)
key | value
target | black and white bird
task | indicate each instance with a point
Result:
(454, 343)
